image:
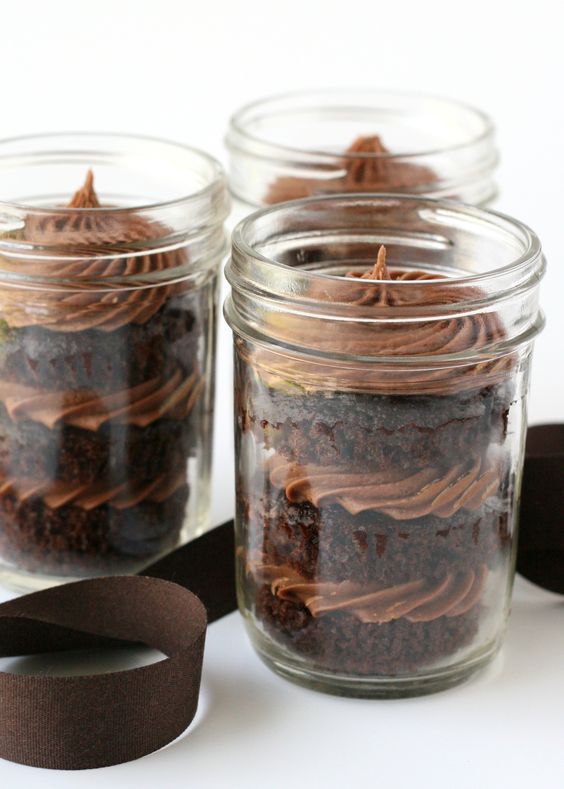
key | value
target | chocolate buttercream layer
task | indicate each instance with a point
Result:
(66, 310)
(173, 396)
(90, 495)
(399, 493)
(419, 600)
(367, 167)
(384, 330)
(375, 349)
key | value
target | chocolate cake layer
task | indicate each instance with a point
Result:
(361, 429)
(70, 540)
(329, 544)
(114, 452)
(128, 356)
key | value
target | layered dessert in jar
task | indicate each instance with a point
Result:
(105, 392)
(379, 439)
(323, 142)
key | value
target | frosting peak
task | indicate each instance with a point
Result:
(370, 166)
(366, 169)
(371, 144)
(378, 272)
(380, 269)
(85, 197)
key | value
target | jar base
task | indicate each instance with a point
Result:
(21, 581)
(423, 684)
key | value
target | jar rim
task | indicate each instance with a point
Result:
(532, 251)
(280, 152)
(216, 180)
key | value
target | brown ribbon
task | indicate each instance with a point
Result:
(540, 557)
(94, 721)
(73, 723)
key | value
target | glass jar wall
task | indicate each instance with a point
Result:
(382, 350)
(110, 248)
(298, 145)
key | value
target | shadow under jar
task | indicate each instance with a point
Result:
(110, 248)
(338, 141)
(382, 350)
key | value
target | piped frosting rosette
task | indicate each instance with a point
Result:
(419, 600)
(370, 167)
(104, 268)
(401, 494)
(121, 496)
(384, 349)
(367, 166)
(172, 397)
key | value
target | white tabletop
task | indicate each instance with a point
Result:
(504, 728)
(178, 69)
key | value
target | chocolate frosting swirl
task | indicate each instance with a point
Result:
(368, 167)
(392, 338)
(88, 496)
(88, 248)
(380, 172)
(401, 494)
(422, 600)
(140, 405)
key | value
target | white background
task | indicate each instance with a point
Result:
(177, 70)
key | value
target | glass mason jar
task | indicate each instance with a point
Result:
(382, 351)
(303, 144)
(110, 247)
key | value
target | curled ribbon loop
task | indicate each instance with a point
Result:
(80, 722)
(72, 723)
